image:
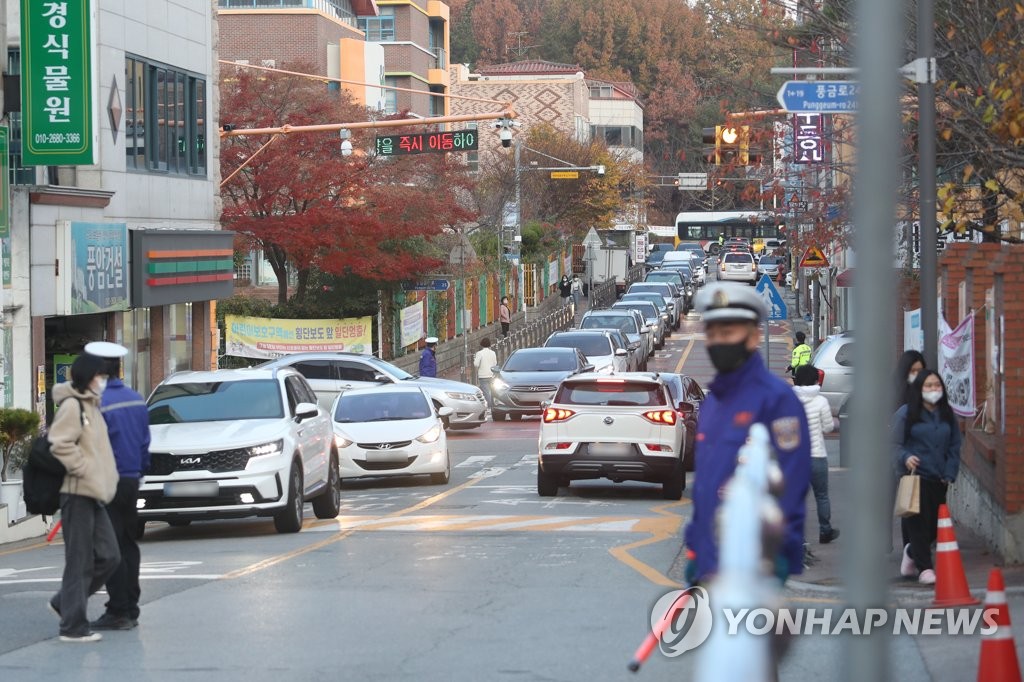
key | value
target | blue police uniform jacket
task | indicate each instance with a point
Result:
(737, 400)
(127, 419)
(428, 364)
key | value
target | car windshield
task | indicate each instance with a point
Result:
(535, 360)
(611, 392)
(589, 345)
(648, 310)
(665, 276)
(381, 406)
(652, 298)
(387, 368)
(215, 401)
(768, 260)
(653, 288)
(624, 323)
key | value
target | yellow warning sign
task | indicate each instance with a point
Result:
(813, 258)
(565, 175)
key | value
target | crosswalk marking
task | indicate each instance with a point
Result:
(476, 460)
(488, 472)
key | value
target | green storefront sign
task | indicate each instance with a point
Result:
(56, 83)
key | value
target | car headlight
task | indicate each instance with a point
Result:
(267, 449)
(468, 397)
(498, 385)
(432, 434)
(341, 441)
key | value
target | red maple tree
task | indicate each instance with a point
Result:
(307, 207)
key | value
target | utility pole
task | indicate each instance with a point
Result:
(926, 181)
(878, 39)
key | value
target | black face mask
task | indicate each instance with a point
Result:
(728, 357)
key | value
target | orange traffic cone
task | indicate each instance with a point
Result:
(998, 660)
(950, 581)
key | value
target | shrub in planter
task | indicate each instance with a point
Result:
(17, 428)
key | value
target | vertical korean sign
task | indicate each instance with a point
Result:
(5, 208)
(56, 83)
(99, 263)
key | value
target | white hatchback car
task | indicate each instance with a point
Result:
(391, 431)
(737, 266)
(622, 428)
(238, 442)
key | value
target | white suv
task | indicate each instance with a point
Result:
(737, 266)
(621, 427)
(239, 442)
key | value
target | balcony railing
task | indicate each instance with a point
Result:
(440, 57)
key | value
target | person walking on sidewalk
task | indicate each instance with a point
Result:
(428, 361)
(926, 439)
(744, 392)
(127, 419)
(819, 422)
(78, 439)
(565, 289)
(484, 361)
(504, 316)
(801, 353)
(577, 290)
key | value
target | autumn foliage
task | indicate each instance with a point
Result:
(310, 209)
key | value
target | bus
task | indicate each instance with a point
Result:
(705, 227)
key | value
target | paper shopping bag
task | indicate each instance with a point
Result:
(908, 496)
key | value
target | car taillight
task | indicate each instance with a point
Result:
(658, 447)
(556, 414)
(560, 446)
(661, 417)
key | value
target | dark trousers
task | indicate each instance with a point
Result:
(922, 528)
(123, 585)
(90, 557)
(819, 483)
(504, 329)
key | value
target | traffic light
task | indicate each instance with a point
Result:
(727, 144)
(709, 138)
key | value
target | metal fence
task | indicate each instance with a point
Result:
(535, 333)
(604, 294)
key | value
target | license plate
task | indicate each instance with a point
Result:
(192, 489)
(609, 449)
(386, 456)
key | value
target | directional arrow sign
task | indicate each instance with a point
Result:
(430, 285)
(819, 97)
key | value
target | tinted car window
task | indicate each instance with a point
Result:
(349, 370)
(625, 323)
(624, 393)
(215, 401)
(648, 310)
(738, 258)
(588, 345)
(533, 361)
(381, 406)
(316, 369)
(844, 356)
(693, 390)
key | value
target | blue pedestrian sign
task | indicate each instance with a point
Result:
(428, 285)
(819, 97)
(772, 299)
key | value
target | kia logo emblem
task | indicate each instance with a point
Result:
(191, 460)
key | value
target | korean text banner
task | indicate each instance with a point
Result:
(956, 365)
(99, 252)
(56, 88)
(268, 338)
(412, 323)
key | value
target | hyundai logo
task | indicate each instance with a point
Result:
(536, 388)
(191, 460)
(384, 446)
(608, 420)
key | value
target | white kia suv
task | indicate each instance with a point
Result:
(622, 427)
(238, 442)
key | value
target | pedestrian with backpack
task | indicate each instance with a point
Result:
(127, 419)
(78, 440)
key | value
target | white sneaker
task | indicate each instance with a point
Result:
(88, 637)
(907, 567)
(927, 577)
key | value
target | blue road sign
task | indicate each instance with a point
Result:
(819, 97)
(772, 299)
(429, 285)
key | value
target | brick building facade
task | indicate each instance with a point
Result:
(281, 37)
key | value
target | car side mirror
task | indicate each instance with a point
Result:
(621, 352)
(587, 368)
(686, 408)
(645, 329)
(496, 370)
(305, 411)
(381, 378)
(445, 411)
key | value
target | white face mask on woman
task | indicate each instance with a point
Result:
(99, 385)
(932, 397)
(911, 377)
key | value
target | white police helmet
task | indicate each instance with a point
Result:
(730, 302)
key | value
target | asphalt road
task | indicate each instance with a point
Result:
(479, 579)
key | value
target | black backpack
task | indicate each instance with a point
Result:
(43, 475)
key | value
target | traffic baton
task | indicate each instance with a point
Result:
(654, 636)
(53, 532)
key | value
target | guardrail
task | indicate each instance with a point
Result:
(535, 333)
(603, 294)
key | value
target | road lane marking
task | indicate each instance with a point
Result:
(198, 576)
(489, 472)
(342, 534)
(475, 460)
(487, 523)
(17, 550)
(686, 354)
(664, 528)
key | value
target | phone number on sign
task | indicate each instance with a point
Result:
(58, 138)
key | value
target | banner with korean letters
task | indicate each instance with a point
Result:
(411, 322)
(956, 365)
(58, 126)
(269, 338)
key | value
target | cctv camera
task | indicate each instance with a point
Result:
(506, 137)
(600, 171)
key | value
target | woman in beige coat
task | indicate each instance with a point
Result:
(78, 438)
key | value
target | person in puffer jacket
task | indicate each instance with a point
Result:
(819, 422)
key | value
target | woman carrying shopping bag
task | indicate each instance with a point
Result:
(927, 443)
